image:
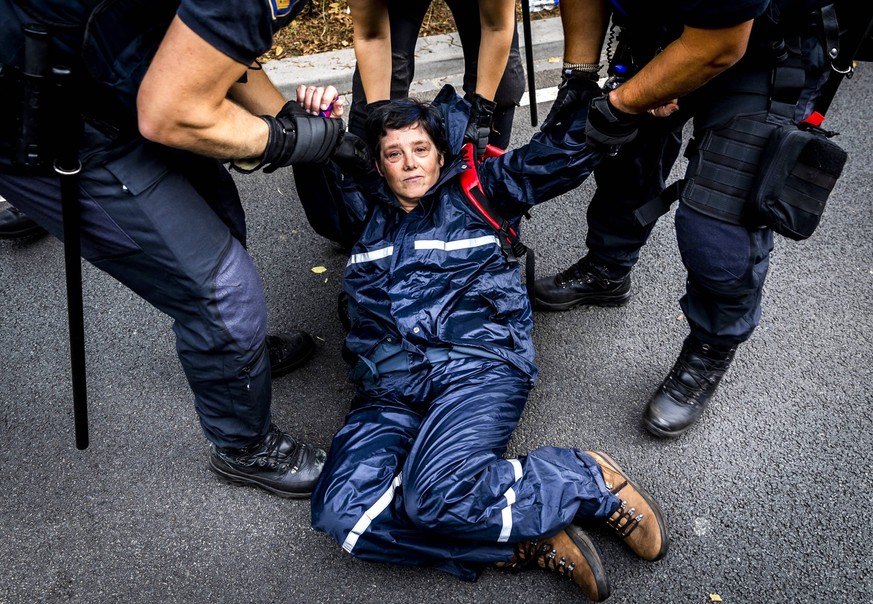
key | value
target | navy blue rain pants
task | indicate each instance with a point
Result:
(172, 229)
(416, 476)
(406, 17)
(726, 263)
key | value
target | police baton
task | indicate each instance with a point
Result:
(67, 166)
(528, 55)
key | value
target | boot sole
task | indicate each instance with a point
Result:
(606, 302)
(592, 558)
(659, 515)
(237, 480)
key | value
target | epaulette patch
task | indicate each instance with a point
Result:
(281, 8)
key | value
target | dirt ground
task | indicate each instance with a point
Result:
(326, 25)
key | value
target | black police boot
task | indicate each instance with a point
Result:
(16, 225)
(288, 351)
(278, 464)
(684, 393)
(586, 282)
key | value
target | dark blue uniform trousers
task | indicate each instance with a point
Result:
(416, 476)
(726, 263)
(171, 228)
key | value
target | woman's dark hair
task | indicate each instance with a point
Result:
(402, 113)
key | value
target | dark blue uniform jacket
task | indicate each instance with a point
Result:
(435, 279)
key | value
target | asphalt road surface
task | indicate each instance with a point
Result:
(768, 498)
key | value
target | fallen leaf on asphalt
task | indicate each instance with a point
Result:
(714, 598)
(554, 59)
(681, 317)
(318, 270)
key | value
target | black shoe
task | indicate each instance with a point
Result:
(684, 393)
(278, 464)
(585, 282)
(288, 351)
(15, 225)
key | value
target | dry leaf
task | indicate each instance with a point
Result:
(345, 43)
(318, 270)
(714, 598)
(680, 317)
(554, 59)
(279, 50)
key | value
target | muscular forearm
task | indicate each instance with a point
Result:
(497, 19)
(686, 64)
(584, 23)
(372, 39)
(183, 100)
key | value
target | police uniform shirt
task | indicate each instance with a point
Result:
(242, 30)
(703, 14)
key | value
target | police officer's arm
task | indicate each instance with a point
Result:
(183, 100)
(372, 40)
(686, 64)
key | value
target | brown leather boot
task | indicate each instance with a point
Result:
(569, 553)
(638, 519)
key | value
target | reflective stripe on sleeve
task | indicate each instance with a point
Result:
(459, 244)
(371, 255)
(377, 508)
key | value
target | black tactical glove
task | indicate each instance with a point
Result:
(353, 155)
(609, 127)
(576, 90)
(296, 137)
(479, 125)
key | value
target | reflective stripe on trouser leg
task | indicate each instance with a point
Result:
(460, 502)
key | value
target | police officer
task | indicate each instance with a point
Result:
(167, 91)
(687, 60)
(489, 39)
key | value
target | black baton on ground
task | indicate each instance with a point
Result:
(67, 166)
(528, 54)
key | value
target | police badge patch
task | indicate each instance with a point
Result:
(281, 8)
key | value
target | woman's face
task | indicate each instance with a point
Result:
(410, 162)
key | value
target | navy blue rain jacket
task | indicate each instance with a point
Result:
(436, 277)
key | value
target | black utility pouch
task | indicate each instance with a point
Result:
(799, 167)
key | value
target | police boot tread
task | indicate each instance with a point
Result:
(683, 395)
(569, 553)
(278, 463)
(586, 282)
(638, 520)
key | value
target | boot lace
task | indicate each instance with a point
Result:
(623, 521)
(530, 552)
(689, 377)
(581, 271)
(269, 453)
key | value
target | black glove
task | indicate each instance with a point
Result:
(479, 125)
(296, 137)
(576, 90)
(353, 155)
(609, 127)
